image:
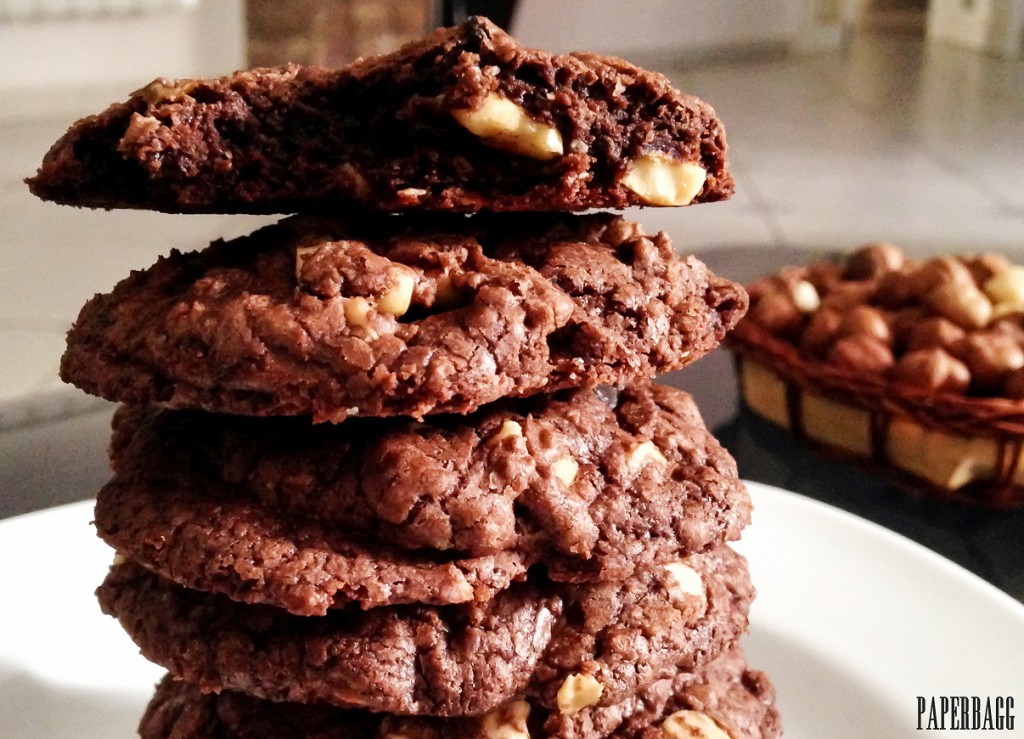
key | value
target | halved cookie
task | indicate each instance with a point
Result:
(464, 120)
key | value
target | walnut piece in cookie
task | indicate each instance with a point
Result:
(578, 692)
(688, 724)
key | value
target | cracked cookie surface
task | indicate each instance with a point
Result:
(400, 316)
(313, 516)
(736, 698)
(449, 660)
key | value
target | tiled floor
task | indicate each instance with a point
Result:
(891, 139)
(885, 139)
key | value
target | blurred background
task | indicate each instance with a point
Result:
(849, 121)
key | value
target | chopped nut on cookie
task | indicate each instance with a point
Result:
(578, 692)
(692, 725)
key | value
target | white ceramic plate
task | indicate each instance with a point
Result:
(853, 623)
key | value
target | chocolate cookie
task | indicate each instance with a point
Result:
(588, 645)
(404, 316)
(724, 700)
(553, 471)
(307, 517)
(738, 700)
(464, 120)
(203, 537)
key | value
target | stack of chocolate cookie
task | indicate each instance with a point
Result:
(400, 471)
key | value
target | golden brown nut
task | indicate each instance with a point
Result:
(963, 304)
(862, 354)
(984, 267)
(940, 271)
(503, 124)
(934, 331)
(824, 275)
(397, 299)
(820, 331)
(357, 311)
(866, 321)
(509, 429)
(660, 179)
(687, 724)
(507, 722)
(846, 295)
(895, 290)
(1012, 326)
(991, 356)
(760, 288)
(644, 453)
(872, 261)
(1006, 310)
(1014, 386)
(777, 313)
(932, 369)
(684, 581)
(565, 469)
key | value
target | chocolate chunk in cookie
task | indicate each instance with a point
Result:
(400, 316)
(464, 120)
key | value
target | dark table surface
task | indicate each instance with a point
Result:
(47, 464)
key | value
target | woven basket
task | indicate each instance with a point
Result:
(999, 419)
